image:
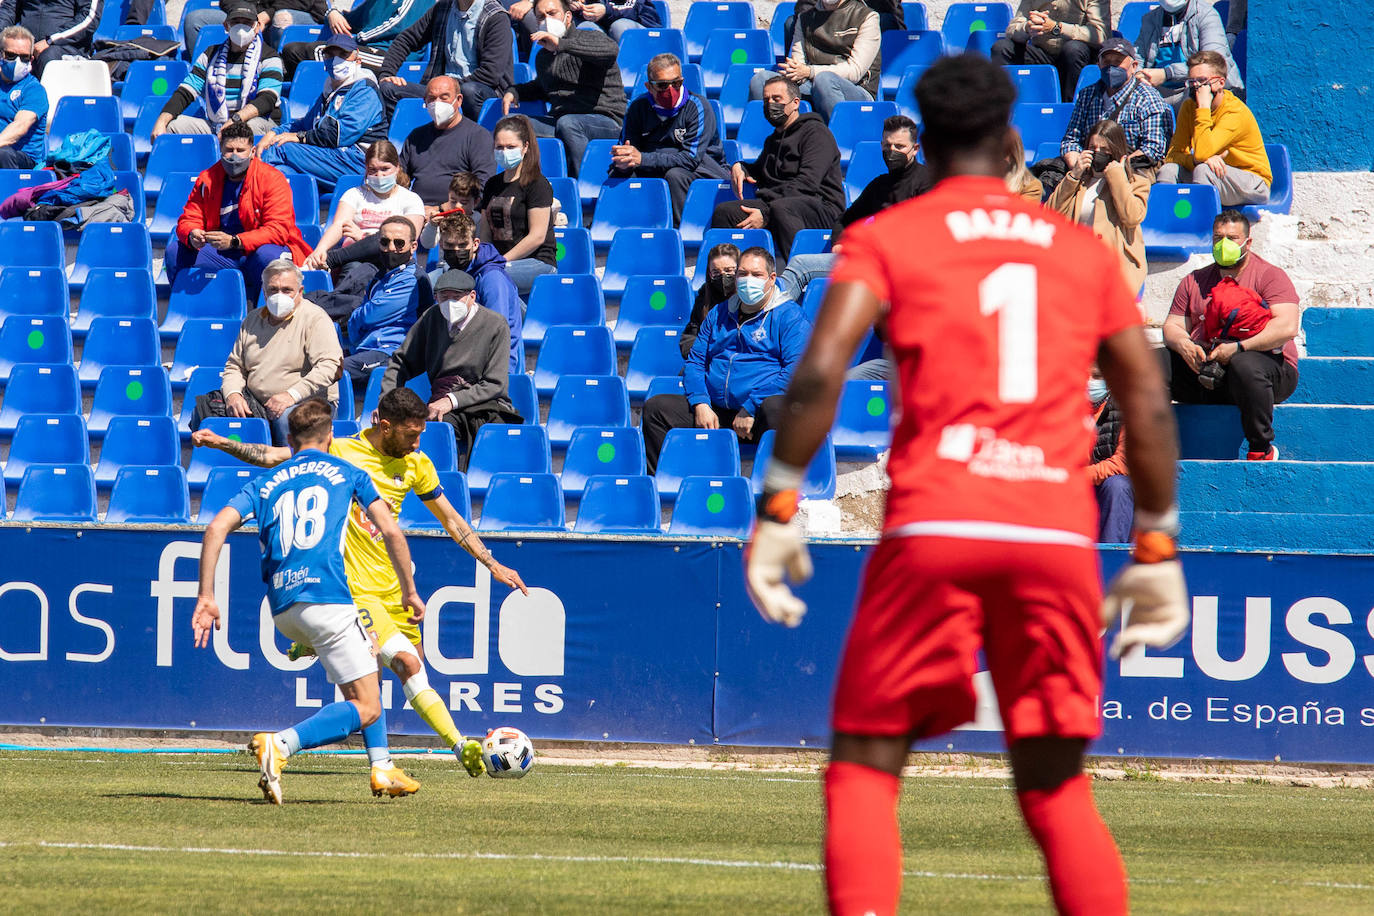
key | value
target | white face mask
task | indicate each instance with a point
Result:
(440, 112)
(342, 70)
(455, 310)
(1173, 6)
(555, 27)
(280, 305)
(240, 35)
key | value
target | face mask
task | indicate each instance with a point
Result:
(775, 113)
(724, 287)
(454, 310)
(1100, 160)
(508, 158)
(393, 258)
(235, 166)
(1114, 78)
(381, 183)
(1173, 6)
(460, 258)
(667, 103)
(280, 305)
(895, 160)
(240, 35)
(440, 112)
(342, 70)
(750, 290)
(1227, 253)
(555, 27)
(1097, 390)
(15, 70)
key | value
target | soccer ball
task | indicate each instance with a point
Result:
(507, 753)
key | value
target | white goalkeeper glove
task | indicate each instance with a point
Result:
(776, 549)
(1150, 591)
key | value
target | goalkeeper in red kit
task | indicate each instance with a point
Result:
(995, 310)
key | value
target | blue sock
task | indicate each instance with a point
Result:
(333, 723)
(374, 736)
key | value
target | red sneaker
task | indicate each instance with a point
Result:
(1271, 455)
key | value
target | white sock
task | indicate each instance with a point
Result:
(418, 681)
(380, 757)
(394, 646)
(288, 742)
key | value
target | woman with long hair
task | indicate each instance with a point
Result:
(362, 210)
(517, 205)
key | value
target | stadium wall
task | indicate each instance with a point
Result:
(651, 640)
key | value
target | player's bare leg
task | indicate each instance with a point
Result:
(863, 846)
(406, 659)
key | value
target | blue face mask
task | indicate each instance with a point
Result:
(381, 183)
(1114, 78)
(1097, 390)
(750, 289)
(508, 158)
(14, 70)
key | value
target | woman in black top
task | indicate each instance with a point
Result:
(517, 205)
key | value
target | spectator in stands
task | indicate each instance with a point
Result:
(904, 179)
(1020, 180)
(23, 102)
(286, 352)
(237, 82)
(579, 80)
(835, 56)
(239, 216)
(517, 205)
(1062, 33)
(464, 195)
(67, 27)
(891, 17)
(363, 210)
(465, 351)
(464, 250)
(377, 326)
(670, 133)
(721, 265)
(469, 40)
(797, 176)
(616, 17)
(274, 16)
(1104, 193)
(449, 143)
(1218, 141)
(1120, 97)
(373, 24)
(1170, 35)
(1259, 371)
(1107, 467)
(330, 140)
(739, 366)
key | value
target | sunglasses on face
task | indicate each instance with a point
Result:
(719, 274)
(10, 55)
(663, 85)
(397, 244)
(1195, 84)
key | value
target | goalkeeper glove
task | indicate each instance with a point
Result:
(777, 548)
(1150, 591)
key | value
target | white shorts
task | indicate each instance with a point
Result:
(337, 635)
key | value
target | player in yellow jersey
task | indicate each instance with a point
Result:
(388, 452)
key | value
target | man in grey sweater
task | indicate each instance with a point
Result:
(465, 351)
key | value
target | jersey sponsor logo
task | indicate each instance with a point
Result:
(364, 523)
(989, 455)
(999, 224)
(292, 578)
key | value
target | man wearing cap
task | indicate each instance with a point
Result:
(330, 140)
(463, 249)
(465, 351)
(1119, 96)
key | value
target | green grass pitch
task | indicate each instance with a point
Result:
(97, 833)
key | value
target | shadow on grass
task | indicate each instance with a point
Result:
(186, 796)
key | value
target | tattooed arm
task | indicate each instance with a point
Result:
(264, 456)
(462, 532)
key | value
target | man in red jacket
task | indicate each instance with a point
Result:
(239, 215)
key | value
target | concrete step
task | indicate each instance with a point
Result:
(1339, 331)
(1278, 531)
(1334, 380)
(1302, 432)
(1303, 487)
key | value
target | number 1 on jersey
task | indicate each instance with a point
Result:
(1010, 292)
(300, 517)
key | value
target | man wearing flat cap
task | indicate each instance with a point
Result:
(465, 351)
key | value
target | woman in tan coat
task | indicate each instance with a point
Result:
(1105, 194)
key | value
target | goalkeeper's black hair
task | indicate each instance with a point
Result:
(965, 103)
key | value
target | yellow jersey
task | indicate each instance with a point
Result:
(365, 557)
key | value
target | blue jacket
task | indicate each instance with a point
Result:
(496, 291)
(736, 364)
(350, 116)
(376, 22)
(387, 312)
(687, 140)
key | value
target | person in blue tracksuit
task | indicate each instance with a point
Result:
(23, 102)
(390, 306)
(464, 250)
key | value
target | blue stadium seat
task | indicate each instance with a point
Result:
(573, 350)
(705, 18)
(177, 153)
(1128, 23)
(573, 251)
(314, 280)
(76, 113)
(56, 493)
(343, 429)
(131, 182)
(220, 486)
(812, 241)
(1240, 53)
(1044, 151)
(203, 342)
(712, 507)
(565, 192)
(651, 301)
(648, 252)
(490, 115)
(507, 447)
(121, 152)
(200, 293)
(630, 203)
(343, 388)
(190, 7)
(777, 27)
(416, 515)
(1041, 123)
(205, 459)
(740, 238)
(438, 442)
(305, 198)
(586, 400)
(1178, 221)
(593, 451)
(373, 393)
(1035, 83)
(209, 35)
(118, 342)
(125, 245)
(301, 32)
(902, 50)
(413, 71)
(692, 81)
(754, 129)
(726, 48)
(33, 291)
(203, 380)
(703, 197)
(863, 420)
(553, 158)
(613, 504)
(591, 173)
(819, 482)
(27, 244)
(149, 496)
(142, 131)
(557, 299)
(963, 18)
(25, 339)
(981, 41)
(657, 351)
(40, 439)
(638, 45)
(410, 113)
(146, 79)
(713, 452)
(523, 398)
(12, 180)
(914, 15)
(136, 441)
(734, 94)
(343, 184)
(176, 190)
(811, 299)
(307, 85)
(1086, 78)
(522, 502)
(1281, 188)
(905, 94)
(664, 385)
(731, 150)
(853, 122)
(665, 15)
(128, 391)
(37, 389)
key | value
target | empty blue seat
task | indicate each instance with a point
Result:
(137, 441)
(558, 299)
(1128, 23)
(221, 486)
(39, 389)
(981, 41)
(613, 504)
(573, 251)
(777, 27)
(734, 93)
(203, 380)
(124, 245)
(594, 450)
(651, 301)
(963, 18)
(705, 18)
(177, 153)
(420, 384)
(712, 507)
(148, 111)
(638, 45)
(573, 350)
(415, 513)
(76, 113)
(34, 291)
(343, 388)
(754, 129)
(149, 496)
(582, 400)
(520, 390)
(905, 94)
(438, 442)
(203, 342)
(630, 203)
(506, 447)
(812, 241)
(811, 299)
(56, 493)
(1178, 221)
(305, 198)
(25, 339)
(1035, 83)
(703, 197)
(149, 79)
(553, 158)
(728, 47)
(657, 351)
(522, 502)
(863, 421)
(713, 452)
(205, 459)
(914, 15)
(1041, 123)
(307, 85)
(853, 122)
(39, 439)
(1281, 188)
(131, 182)
(740, 238)
(565, 193)
(128, 391)
(200, 293)
(648, 252)
(902, 50)
(591, 172)
(343, 184)
(410, 113)
(118, 342)
(176, 190)
(490, 115)
(343, 429)
(28, 244)
(121, 152)
(664, 385)
(301, 32)
(819, 482)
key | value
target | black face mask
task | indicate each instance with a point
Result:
(775, 113)
(723, 287)
(1100, 160)
(393, 259)
(896, 160)
(459, 259)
